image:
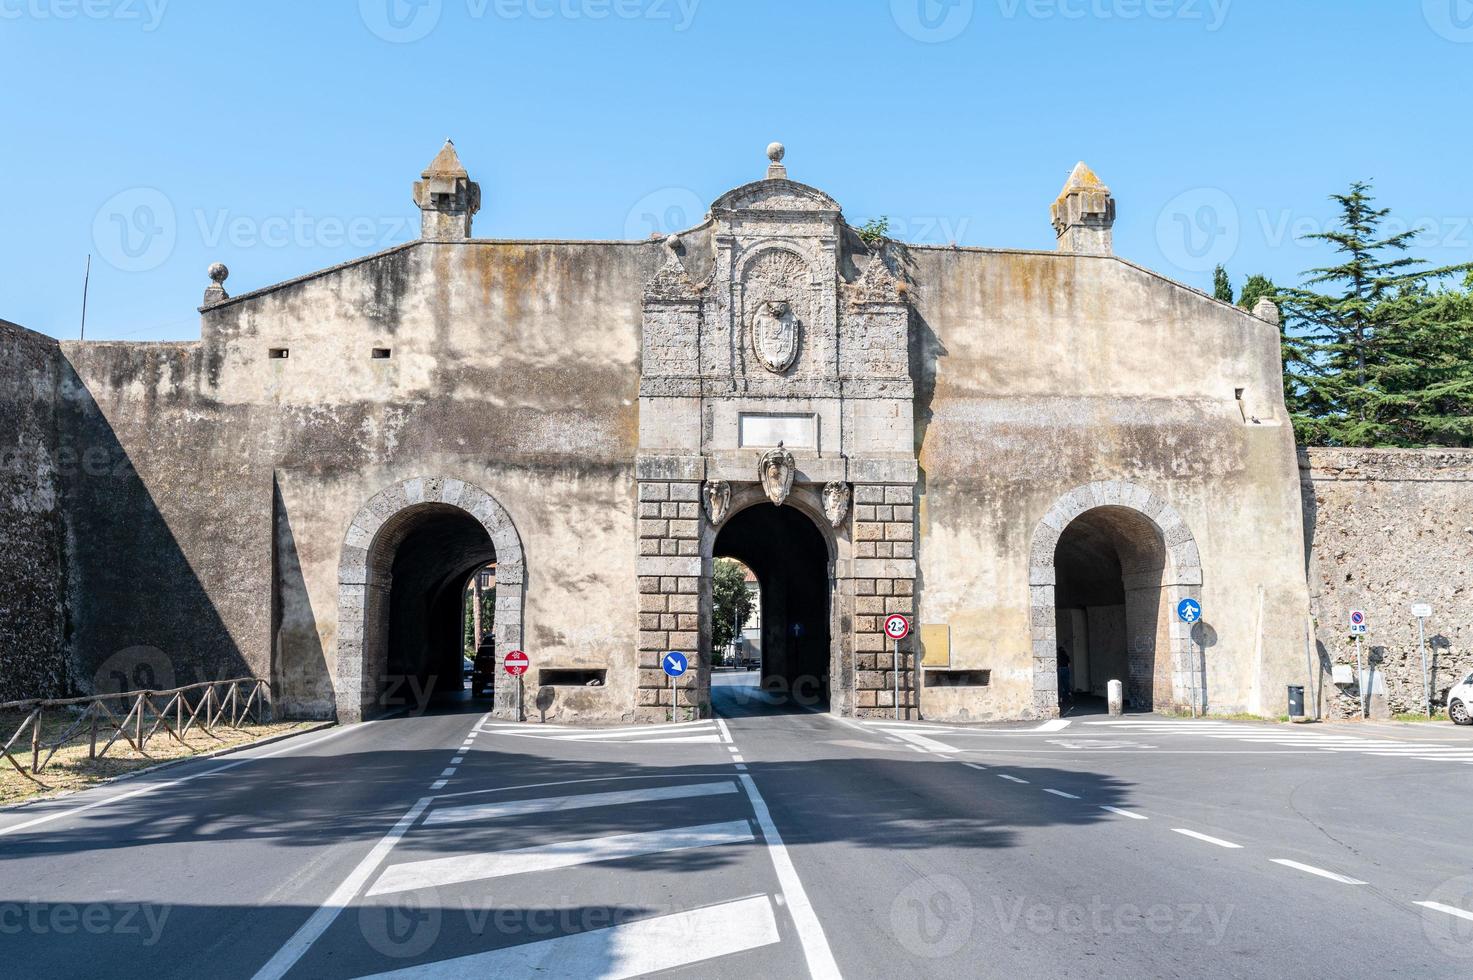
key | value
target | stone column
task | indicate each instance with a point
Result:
(672, 581)
(884, 583)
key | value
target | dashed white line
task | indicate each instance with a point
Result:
(1059, 792)
(1449, 909)
(457, 760)
(1311, 869)
(448, 773)
(439, 784)
(1125, 813)
(1011, 779)
(1203, 837)
(973, 765)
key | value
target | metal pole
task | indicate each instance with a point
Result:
(1192, 666)
(1360, 665)
(1309, 691)
(897, 680)
(672, 698)
(86, 281)
(1426, 679)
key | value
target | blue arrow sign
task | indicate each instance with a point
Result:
(675, 664)
(1190, 610)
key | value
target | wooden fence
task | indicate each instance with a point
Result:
(203, 707)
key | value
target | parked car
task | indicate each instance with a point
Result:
(1460, 702)
(483, 674)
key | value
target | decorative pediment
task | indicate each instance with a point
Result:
(776, 196)
(877, 284)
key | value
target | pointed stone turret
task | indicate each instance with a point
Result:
(448, 199)
(1084, 214)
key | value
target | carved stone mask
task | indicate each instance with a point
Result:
(717, 495)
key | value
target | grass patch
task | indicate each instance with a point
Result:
(70, 770)
(1420, 716)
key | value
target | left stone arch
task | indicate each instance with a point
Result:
(364, 580)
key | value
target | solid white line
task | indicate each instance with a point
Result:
(1059, 792)
(1011, 779)
(725, 732)
(1310, 869)
(583, 733)
(1211, 840)
(666, 942)
(821, 965)
(314, 927)
(1054, 725)
(1449, 909)
(461, 868)
(154, 787)
(561, 804)
(1125, 813)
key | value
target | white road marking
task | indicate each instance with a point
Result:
(155, 787)
(973, 765)
(439, 784)
(737, 758)
(741, 768)
(927, 744)
(561, 804)
(1211, 840)
(1125, 813)
(1311, 869)
(725, 732)
(666, 942)
(457, 760)
(1059, 792)
(318, 923)
(448, 773)
(821, 965)
(1449, 909)
(461, 868)
(1011, 779)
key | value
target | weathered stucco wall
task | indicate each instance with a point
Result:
(1038, 374)
(1387, 528)
(31, 616)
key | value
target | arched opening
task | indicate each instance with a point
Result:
(1111, 611)
(789, 557)
(414, 632)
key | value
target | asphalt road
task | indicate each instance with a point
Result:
(774, 842)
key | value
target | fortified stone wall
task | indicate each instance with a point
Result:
(1386, 528)
(31, 610)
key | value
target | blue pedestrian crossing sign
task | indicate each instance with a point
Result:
(1190, 610)
(675, 664)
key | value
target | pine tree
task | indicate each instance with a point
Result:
(1255, 289)
(1222, 286)
(1348, 353)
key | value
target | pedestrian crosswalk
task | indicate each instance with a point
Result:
(679, 733)
(1459, 751)
(605, 878)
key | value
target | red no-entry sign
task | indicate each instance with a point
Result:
(897, 627)
(517, 663)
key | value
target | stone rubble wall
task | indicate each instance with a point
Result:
(32, 663)
(1387, 528)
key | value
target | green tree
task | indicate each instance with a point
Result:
(1348, 352)
(1222, 286)
(488, 619)
(1255, 289)
(733, 603)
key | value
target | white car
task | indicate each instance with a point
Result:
(1460, 702)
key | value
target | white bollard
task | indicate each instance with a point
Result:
(1117, 699)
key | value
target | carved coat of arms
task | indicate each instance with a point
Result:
(836, 503)
(718, 501)
(777, 469)
(775, 335)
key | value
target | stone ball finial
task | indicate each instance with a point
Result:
(219, 272)
(776, 152)
(672, 242)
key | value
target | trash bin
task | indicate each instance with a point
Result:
(1296, 701)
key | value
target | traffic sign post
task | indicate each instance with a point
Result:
(1422, 611)
(516, 665)
(675, 664)
(1358, 630)
(897, 628)
(1189, 611)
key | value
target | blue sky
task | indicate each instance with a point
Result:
(282, 136)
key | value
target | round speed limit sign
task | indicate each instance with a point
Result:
(897, 627)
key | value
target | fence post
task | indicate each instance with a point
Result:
(138, 725)
(36, 736)
(92, 750)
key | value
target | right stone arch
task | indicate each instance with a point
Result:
(1178, 576)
